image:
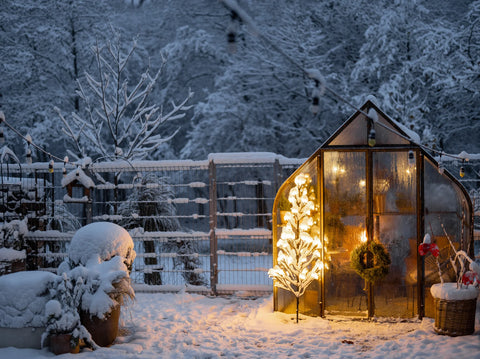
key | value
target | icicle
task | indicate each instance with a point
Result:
(371, 138)
(411, 158)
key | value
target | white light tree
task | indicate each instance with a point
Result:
(119, 120)
(299, 259)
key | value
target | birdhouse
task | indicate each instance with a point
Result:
(348, 222)
(79, 185)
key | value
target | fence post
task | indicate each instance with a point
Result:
(277, 174)
(212, 175)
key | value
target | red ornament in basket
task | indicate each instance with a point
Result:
(428, 247)
(470, 278)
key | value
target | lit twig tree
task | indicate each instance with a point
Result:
(299, 259)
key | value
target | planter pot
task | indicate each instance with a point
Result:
(62, 343)
(103, 331)
(454, 309)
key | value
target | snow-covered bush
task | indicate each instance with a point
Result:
(99, 260)
(62, 312)
(98, 242)
(12, 234)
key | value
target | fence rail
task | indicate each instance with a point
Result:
(197, 225)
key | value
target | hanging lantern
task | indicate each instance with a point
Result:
(64, 172)
(29, 156)
(50, 166)
(462, 171)
(371, 138)
(411, 158)
(2, 136)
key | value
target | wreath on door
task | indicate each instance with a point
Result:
(373, 270)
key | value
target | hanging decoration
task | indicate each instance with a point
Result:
(50, 166)
(371, 261)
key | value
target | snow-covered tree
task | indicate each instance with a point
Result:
(119, 121)
(43, 53)
(299, 258)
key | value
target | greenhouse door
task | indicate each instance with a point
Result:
(395, 226)
(370, 195)
(344, 214)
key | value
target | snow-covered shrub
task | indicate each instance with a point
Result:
(99, 260)
(12, 234)
(98, 242)
(62, 311)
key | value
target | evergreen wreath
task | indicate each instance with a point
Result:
(381, 261)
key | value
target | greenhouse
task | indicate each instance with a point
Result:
(371, 183)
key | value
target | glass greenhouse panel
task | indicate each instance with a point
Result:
(395, 226)
(309, 302)
(344, 222)
(447, 221)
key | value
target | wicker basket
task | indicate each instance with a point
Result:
(455, 317)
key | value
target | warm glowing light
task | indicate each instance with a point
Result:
(363, 237)
(339, 170)
(362, 183)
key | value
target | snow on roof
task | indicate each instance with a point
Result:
(78, 175)
(415, 137)
(100, 241)
(23, 297)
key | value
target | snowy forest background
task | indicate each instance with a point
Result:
(421, 59)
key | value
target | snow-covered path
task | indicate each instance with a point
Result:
(194, 326)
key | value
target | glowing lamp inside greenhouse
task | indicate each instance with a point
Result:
(363, 237)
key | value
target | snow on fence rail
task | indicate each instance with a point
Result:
(200, 225)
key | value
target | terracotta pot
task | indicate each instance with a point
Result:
(62, 343)
(103, 331)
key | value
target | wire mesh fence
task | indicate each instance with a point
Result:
(203, 225)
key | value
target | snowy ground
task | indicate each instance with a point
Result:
(194, 326)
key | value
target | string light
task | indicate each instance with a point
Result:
(29, 156)
(411, 158)
(371, 138)
(462, 170)
(315, 99)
